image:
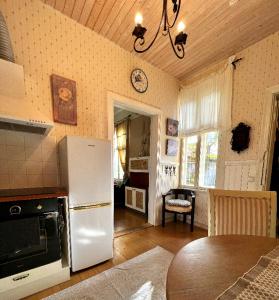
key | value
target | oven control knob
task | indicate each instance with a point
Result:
(15, 210)
(39, 207)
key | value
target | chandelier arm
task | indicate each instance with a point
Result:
(177, 49)
(176, 15)
(142, 40)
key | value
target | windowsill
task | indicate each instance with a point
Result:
(198, 189)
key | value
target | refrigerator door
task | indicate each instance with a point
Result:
(89, 171)
(91, 231)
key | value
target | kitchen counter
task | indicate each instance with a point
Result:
(9, 195)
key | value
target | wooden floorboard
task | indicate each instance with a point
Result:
(125, 218)
(173, 237)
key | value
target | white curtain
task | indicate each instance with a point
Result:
(207, 104)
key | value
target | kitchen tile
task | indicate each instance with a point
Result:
(33, 153)
(14, 138)
(18, 181)
(34, 167)
(50, 180)
(15, 153)
(17, 167)
(34, 180)
(50, 168)
(4, 181)
(4, 167)
(33, 140)
(3, 137)
(3, 152)
(49, 154)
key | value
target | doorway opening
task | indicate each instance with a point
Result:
(131, 152)
(274, 178)
(137, 194)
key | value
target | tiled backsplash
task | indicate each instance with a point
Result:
(27, 160)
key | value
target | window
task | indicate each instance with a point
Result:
(199, 159)
(117, 168)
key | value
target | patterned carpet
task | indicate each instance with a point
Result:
(140, 278)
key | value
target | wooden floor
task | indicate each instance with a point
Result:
(172, 237)
(125, 219)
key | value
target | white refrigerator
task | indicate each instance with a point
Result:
(86, 171)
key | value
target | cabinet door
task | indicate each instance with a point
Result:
(140, 200)
(129, 197)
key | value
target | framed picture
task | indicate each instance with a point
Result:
(172, 147)
(64, 100)
(172, 127)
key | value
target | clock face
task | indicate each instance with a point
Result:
(139, 80)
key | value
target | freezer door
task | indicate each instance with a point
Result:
(91, 232)
(89, 171)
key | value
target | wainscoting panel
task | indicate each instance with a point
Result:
(241, 175)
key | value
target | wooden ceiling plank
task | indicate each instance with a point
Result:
(68, 8)
(215, 29)
(114, 13)
(59, 5)
(96, 10)
(119, 23)
(78, 7)
(86, 11)
(103, 15)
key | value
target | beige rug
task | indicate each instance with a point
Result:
(141, 278)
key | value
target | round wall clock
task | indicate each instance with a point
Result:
(139, 80)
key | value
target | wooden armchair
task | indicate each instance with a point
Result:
(242, 212)
(184, 206)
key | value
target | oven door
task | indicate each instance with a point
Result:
(26, 243)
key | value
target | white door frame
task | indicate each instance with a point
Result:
(155, 113)
(267, 137)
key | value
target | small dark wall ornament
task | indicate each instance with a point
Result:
(240, 137)
(64, 100)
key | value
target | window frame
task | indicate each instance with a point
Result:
(199, 134)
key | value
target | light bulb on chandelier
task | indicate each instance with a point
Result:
(165, 26)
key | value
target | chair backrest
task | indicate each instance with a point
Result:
(242, 212)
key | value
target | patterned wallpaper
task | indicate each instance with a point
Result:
(46, 42)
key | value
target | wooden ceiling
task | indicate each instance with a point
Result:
(216, 28)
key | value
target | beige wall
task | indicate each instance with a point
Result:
(46, 42)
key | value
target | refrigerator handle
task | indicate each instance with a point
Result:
(92, 206)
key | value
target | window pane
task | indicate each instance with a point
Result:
(189, 160)
(208, 159)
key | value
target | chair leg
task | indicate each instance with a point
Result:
(175, 217)
(163, 217)
(184, 218)
(192, 220)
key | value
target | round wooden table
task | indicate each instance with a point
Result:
(206, 267)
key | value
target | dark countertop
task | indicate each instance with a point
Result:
(9, 195)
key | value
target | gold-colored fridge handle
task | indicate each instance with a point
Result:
(91, 206)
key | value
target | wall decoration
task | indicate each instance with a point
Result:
(240, 137)
(172, 127)
(172, 147)
(139, 80)
(64, 100)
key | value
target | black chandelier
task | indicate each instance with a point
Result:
(180, 39)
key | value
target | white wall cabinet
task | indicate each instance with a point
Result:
(135, 198)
